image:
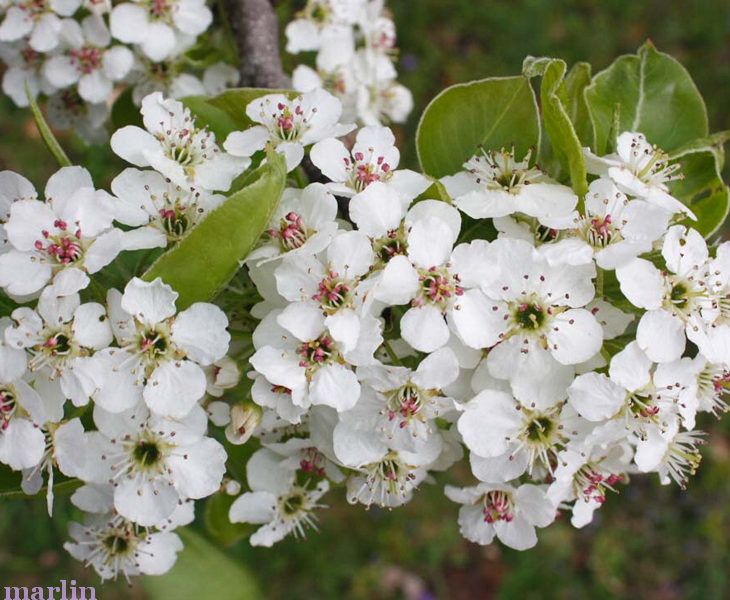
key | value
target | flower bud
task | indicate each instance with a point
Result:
(245, 417)
(232, 487)
(222, 375)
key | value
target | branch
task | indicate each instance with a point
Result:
(256, 30)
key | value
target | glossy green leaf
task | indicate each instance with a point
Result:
(46, 134)
(202, 571)
(203, 262)
(566, 145)
(495, 113)
(649, 92)
(217, 523)
(702, 187)
(233, 102)
(436, 191)
(206, 114)
(576, 81)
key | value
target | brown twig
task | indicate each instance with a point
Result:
(256, 30)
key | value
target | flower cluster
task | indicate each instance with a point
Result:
(76, 53)
(574, 349)
(355, 45)
(388, 325)
(113, 387)
(80, 55)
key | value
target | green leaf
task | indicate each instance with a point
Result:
(495, 113)
(205, 113)
(650, 92)
(436, 191)
(125, 112)
(233, 102)
(217, 523)
(559, 128)
(46, 134)
(702, 188)
(202, 571)
(203, 262)
(576, 81)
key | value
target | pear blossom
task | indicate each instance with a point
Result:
(639, 169)
(22, 409)
(374, 157)
(88, 60)
(320, 19)
(495, 184)
(59, 337)
(673, 454)
(634, 398)
(329, 286)
(158, 27)
(587, 478)
(613, 231)
(671, 297)
(68, 111)
(511, 514)
(276, 502)
(438, 283)
(403, 404)
(40, 21)
(507, 438)
(161, 354)
(13, 187)
(174, 145)
(161, 211)
(113, 545)
(380, 100)
(304, 223)
(387, 478)
(296, 350)
(289, 125)
(24, 68)
(153, 462)
(537, 323)
(61, 240)
(224, 374)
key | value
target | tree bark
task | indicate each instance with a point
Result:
(256, 31)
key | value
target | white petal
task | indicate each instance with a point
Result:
(248, 142)
(574, 336)
(131, 142)
(398, 283)
(630, 368)
(430, 242)
(336, 386)
(661, 336)
(330, 157)
(253, 507)
(595, 396)
(476, 321)
(642, 283)
(91, 326)
(424, 328)
(174, 387)
(200, 330)
(197, 470)
(150, 302)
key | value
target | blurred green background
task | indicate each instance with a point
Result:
(648, 542)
